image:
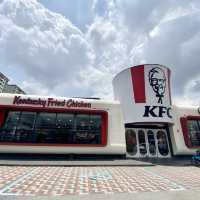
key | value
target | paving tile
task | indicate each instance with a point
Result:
(88, 180)
(188, 177)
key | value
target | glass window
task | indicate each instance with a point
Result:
(45, 128)
(82, 122)
(60, 128)
(65, 121)
(82, 129)
(194, 132)
(151, 141)
(24, 132)
(88, 129)
(26, 121)
(95, 122)
(46, 120)
(131, 142)
(95, 125)
(12, 120)
(142, 142)
(64, 128)
(7, 133)
(162, 143)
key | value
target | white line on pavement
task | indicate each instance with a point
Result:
(7, 187)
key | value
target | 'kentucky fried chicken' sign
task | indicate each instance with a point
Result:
(50, 102)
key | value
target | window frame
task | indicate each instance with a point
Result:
(104, 126)
(185, 130)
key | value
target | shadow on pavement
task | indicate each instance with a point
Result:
(88, 160)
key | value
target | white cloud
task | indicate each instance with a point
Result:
(35, 88)
(60, 59)
(45, 45)
(191, 94)
(164, 32)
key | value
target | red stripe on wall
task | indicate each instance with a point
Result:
(169, 85)
(183, 121)
(2, 116)
(138, 82)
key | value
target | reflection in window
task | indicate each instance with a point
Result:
(131, 142)
(64, 128)
(46, 120)
(24, 132)
(45, 128)
(26, 121)
(61, 128)
(142, 142)
(12, 120)
(82, 122)
(162, 143)
(7, 133)
(151, 141)
(65, 121)
(95, 122)
(194, 132)
(88, 129)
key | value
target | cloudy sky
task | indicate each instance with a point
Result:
(76, 47)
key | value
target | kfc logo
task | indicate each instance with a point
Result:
(157, 80)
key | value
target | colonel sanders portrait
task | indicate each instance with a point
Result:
(157, 81)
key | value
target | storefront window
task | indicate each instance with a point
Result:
(60, 128)
(95, 122)
(26, 121)
(87, 129)
(95, 125)
(12, 120)
(24, 131)
(65, 121)
(46, 120)
(45, 128)
(64, 128)
(194, 132)
(82, 122)
(7, 133)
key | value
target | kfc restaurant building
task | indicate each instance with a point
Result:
(140, 122)
(153, 126)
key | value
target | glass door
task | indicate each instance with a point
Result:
(162, 143)
(152, 147)
(131, 143)
(146, 142)
(142, 141)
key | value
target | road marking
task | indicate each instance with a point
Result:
(84, 181)
(10, 185)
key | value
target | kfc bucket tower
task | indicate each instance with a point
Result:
(144, 93)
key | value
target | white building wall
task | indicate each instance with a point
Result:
(115, 135)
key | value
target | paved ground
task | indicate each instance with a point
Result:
(83, 181)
